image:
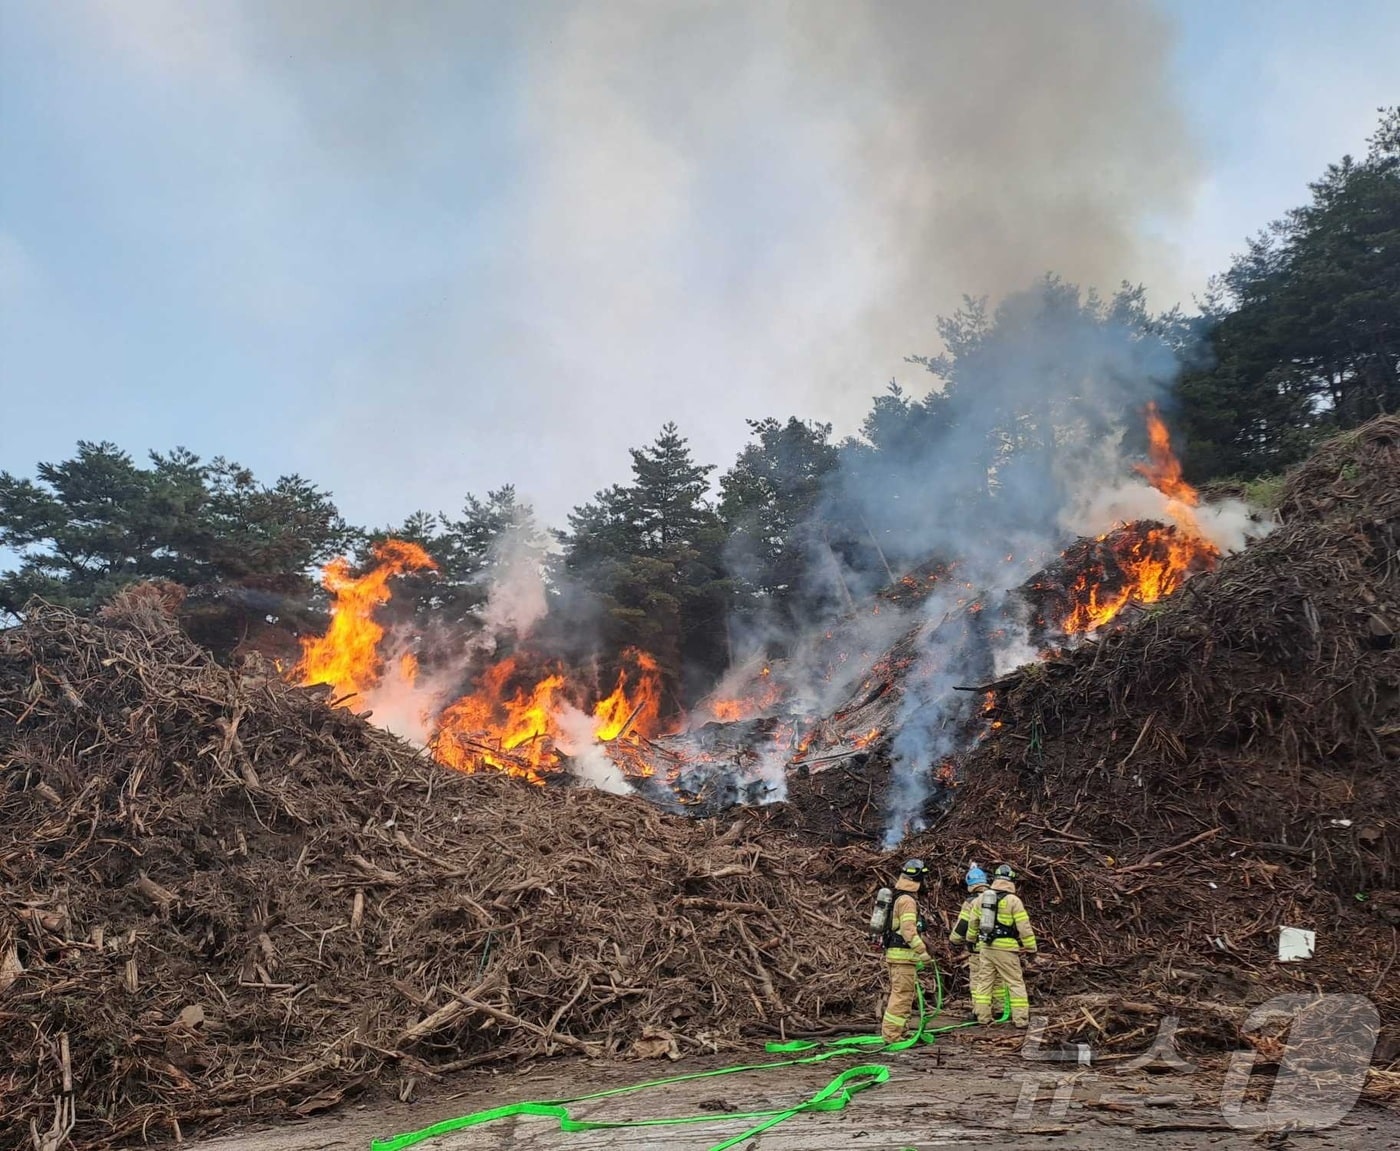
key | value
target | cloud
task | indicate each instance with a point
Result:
(203, 42)
(598, 216)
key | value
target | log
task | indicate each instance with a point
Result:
(500, 1016)
(160, 897)
(434, 1022)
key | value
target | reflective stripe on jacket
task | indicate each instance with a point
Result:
(904, 918)
(1011, 913)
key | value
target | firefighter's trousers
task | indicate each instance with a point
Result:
(996, 994)
(992, 966)
(904, 980)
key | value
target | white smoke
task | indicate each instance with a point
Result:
(589, 761)
(406, 705)
(936, 716)
(407, 700)
(1228, 524)
(771, 771)
(1058, 382)
(517, 598)
(1012, 648)
(777, 195)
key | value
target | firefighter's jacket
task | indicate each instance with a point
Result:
(969, 915)
(904, 920)
(1013, 930)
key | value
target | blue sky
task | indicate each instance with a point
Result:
(415, 250)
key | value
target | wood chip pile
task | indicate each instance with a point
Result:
(1224, 764)
(221, 897)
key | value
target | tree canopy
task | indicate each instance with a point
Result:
(87, 526)
(768, 504)
(646, 559)
(1298, 337)
(1305, 324)
(471, 550)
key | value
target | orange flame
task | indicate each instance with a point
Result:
(497, 729)
(515, 731)
(639, 712)
(509, 722)
(762, 696)
(1153, 563)
(348, 656)
(1163, 469)
(729, 710)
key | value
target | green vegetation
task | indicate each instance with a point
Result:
(1263, 492)
(1304, 329)
(1299, 338)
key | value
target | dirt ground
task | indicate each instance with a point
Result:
(979, 1089)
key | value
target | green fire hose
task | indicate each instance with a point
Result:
(832, 1097)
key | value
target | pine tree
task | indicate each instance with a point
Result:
(94, 523)
(769, 503)
(470, 551)
(647, 557)
(1305, 333)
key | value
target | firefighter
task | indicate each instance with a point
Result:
(964, 934)
(1004, 933)
(905, 949)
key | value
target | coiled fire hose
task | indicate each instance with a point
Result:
(832, 1097)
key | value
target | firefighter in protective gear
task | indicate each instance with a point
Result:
(1009, 937)
(964, 933)
(905, 949)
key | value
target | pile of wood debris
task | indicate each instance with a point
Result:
(1218, 767)
(220, 896)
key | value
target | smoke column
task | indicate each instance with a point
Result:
(1027, 450)
(516, 599)
(697, 211)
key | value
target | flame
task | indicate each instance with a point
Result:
(729, 710)
(509, 721)
(639, 711)
(1150, 562)
(764, 694)
(500, 729)
(348, 655)
(1163, 472)
(1163, 469)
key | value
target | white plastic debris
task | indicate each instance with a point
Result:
(1295, 943)
(1341, 823)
